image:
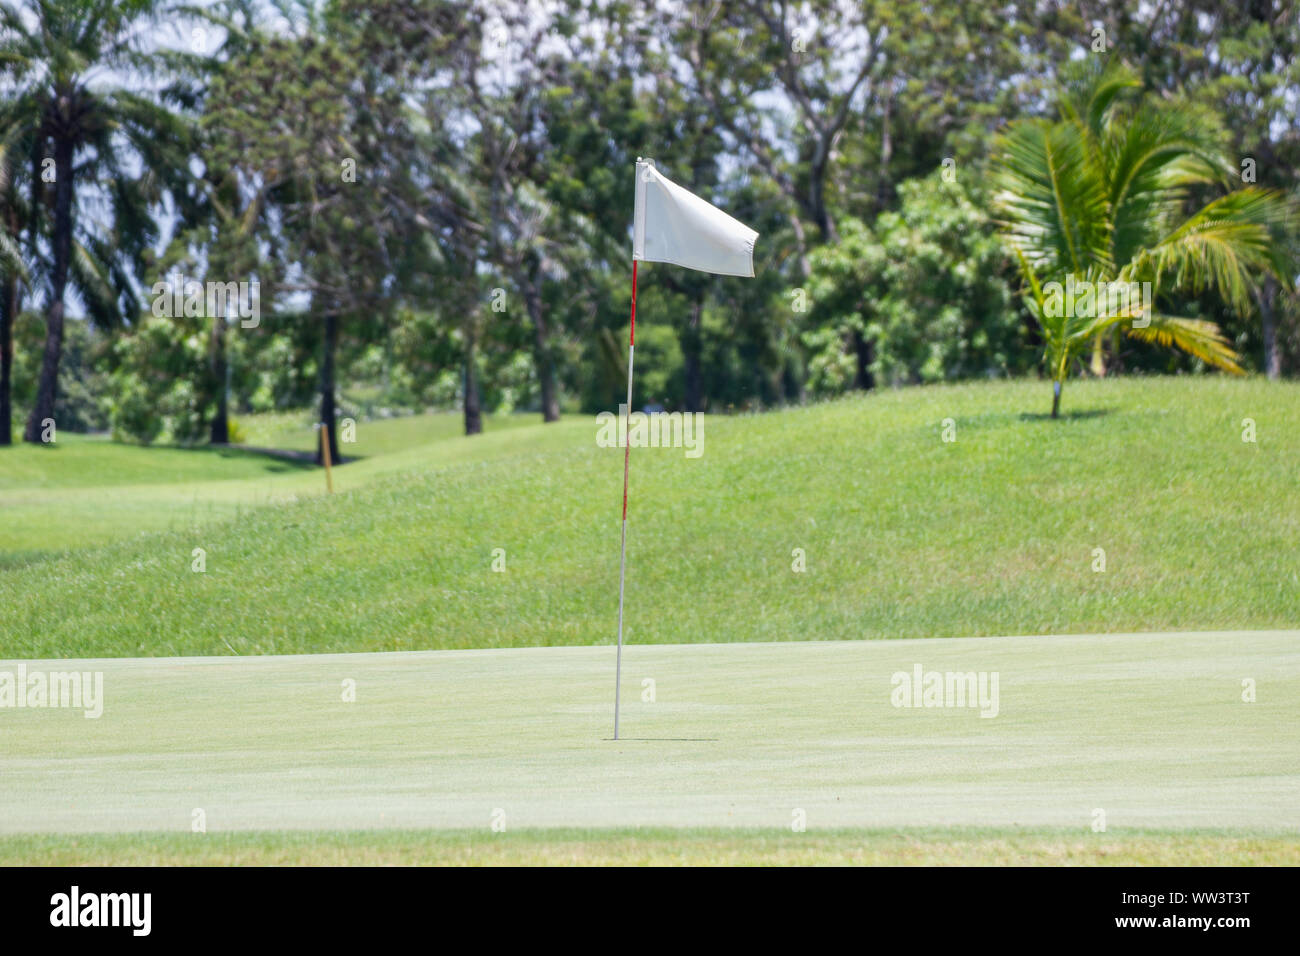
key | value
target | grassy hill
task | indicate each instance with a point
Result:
(905, 535)
(84, 491)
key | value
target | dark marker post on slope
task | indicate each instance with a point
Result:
(673, 225)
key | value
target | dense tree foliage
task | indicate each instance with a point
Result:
(431, 200)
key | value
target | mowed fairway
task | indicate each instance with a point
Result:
(1150, 729)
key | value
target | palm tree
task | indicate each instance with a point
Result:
(68, 62)
(1098, 198)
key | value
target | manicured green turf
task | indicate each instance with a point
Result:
(655, 847)
(905, 535)
(1150, 729)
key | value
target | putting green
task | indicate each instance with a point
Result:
(1149, 728)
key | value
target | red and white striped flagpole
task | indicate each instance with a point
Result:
(627, 454)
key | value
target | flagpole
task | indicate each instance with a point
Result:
(627, 454)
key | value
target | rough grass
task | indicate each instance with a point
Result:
(904, 535)
(295, 431)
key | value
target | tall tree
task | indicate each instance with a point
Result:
(307, 119)
(76, 70)
(822, 99)
(230, 225)
(508, 75)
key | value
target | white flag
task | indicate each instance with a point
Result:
(674, 225)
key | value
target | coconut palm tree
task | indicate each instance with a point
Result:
(1098, 199)
(76, 68)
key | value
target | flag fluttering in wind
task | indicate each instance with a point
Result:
(677, 226)
(672, 224)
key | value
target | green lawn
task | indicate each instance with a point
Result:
(294, 431)
(86, 491)
(1150, 729)
(904, 535)
(655, 847)
(84, 462)
(766, 700)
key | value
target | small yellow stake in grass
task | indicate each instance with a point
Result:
(325, 456)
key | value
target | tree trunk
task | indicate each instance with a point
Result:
(1268, 321)
(692, 347)
(541, 348)
(9, 309)
(220, 434)
(327, 410)
(817, 201)
(1056, 399)
(886, 152)
(800, 242)
(473, 406)
(10, 306)
(47, 389)
(864, 355)
(1098, 363)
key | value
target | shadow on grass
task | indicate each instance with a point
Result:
(662, 740)
(1006, 419)
(1079, 415)
(275, 460)
(294, 460)
(17, 560)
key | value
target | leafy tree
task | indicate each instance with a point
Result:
(157, 374)
(833, 103)
(230, 227)
(925, 285)
(307, 120)
(446, 287)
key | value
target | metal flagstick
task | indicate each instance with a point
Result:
(690, 232)
(627, 454)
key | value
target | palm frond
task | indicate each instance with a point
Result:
(1091, 88)
(1152, 157)
(1051, 197)
(91, 278)
(1227, 245)
(1194, 336)
(12, 261)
